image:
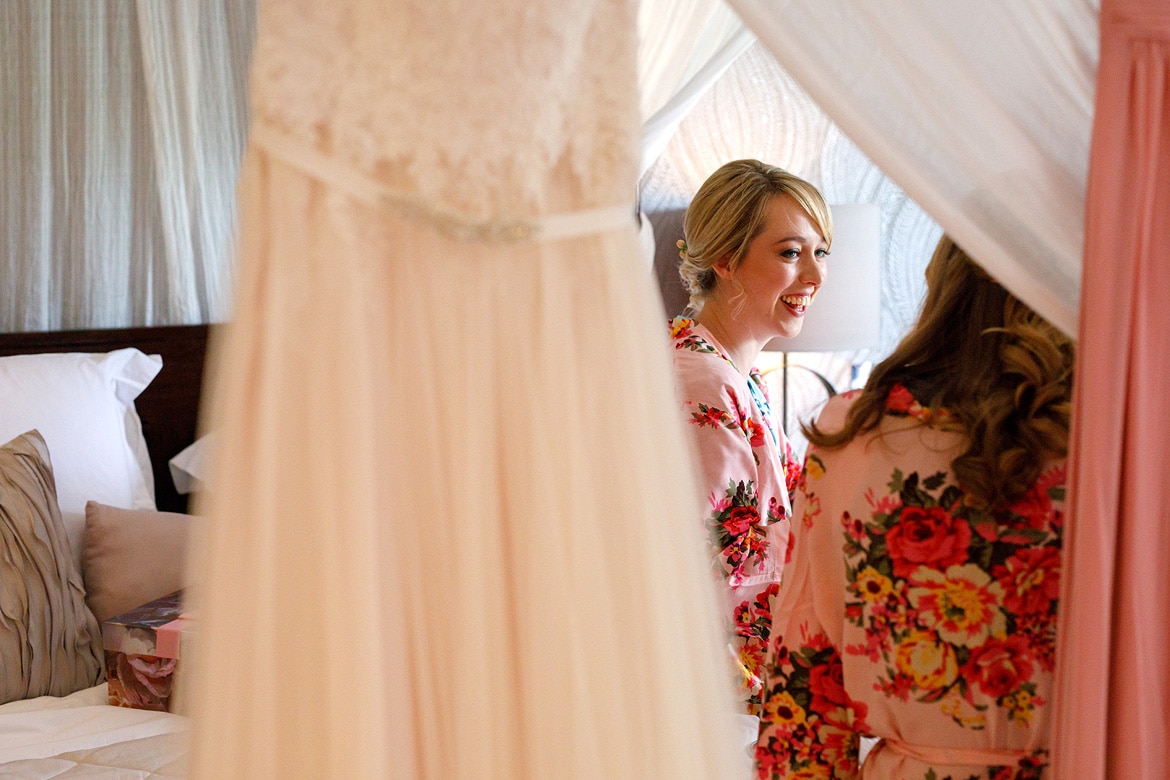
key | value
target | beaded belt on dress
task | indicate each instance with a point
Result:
(549, 227)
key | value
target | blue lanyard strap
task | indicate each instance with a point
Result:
(766, 409)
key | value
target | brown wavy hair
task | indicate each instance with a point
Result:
(1002, 371)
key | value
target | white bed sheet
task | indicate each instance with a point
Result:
(49, 726)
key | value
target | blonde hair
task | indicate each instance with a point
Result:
(727, 213)
(1002, 371)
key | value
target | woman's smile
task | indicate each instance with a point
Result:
(781, 272)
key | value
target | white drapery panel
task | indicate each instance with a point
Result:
(980, 111)
(120, 136)
(684, 46)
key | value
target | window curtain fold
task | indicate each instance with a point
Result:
(980, 112)
(120, 141)
(1113, 668)
(684, 46)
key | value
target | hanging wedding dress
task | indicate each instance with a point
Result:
(450, 533)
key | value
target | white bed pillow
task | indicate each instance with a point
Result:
(83, 406)
(191, 467)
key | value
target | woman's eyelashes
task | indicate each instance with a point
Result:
(794, 254)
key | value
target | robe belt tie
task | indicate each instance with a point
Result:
(954, 756)
(499, 230)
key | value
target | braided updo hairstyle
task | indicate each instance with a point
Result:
(728, 212)
(1001, 370)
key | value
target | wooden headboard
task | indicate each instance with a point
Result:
(169, 407)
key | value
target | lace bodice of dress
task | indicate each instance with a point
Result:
(512, 106)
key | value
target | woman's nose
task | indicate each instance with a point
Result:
(814, 271)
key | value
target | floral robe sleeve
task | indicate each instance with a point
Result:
(909, 614)
(746, 469)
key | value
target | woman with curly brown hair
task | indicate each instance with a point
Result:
(920, 603)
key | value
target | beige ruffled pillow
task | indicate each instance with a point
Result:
(50, 642)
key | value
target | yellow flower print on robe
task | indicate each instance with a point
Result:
(961, 711)
(962, 604)
(871, 585)
(784, 710)
(1020, 705)
(813, 469)
(928, 662)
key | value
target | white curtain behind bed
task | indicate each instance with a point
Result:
(451, 522)
(121, 127)
(980, 111)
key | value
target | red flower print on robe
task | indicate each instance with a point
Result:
(827, 686)
(900, 400)
(1030, 579)
(754, 432)
(1000, 666)
(740, 519)
(1035, 506)
(927, 536)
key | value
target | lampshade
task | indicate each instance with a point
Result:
(846, 314)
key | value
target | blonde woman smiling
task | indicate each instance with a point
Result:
(753, 259)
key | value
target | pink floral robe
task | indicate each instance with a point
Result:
(747, 469)
(910, 615)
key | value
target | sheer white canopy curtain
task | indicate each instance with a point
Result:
(121, 129)
(684, 46)
(980, 111)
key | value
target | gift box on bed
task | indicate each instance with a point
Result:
(143, 647)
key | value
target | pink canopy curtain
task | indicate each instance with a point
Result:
(1113, 692)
